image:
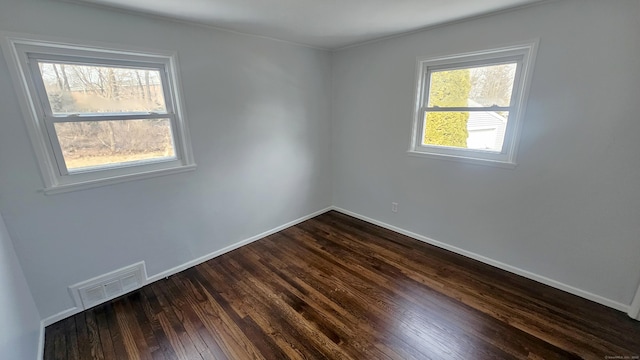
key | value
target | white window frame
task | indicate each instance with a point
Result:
(523, 55)
(23, 52)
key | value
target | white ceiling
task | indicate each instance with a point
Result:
(329, 24)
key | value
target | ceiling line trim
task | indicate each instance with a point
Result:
(446, 23)
(189, 22)
(309, 46)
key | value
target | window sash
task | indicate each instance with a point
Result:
(108, 117)
(428, 70)
(466, 109)
(521, 55)
(49, 118)
(453, 150)
(21, 51)
(59, 159)
(458, 150)
(38, 81)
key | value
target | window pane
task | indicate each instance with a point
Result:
(480, 130)
(81, 89)
(88, 144)
(472, 87)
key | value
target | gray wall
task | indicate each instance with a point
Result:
(569, 211)
(20, 330)
(259, 115)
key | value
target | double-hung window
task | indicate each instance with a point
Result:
(470, 106)
(98, 115)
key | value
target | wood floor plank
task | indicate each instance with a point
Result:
(202, 341)
(55, 342)
(133, 339)
(338, 325)
(317, 312)
(117, 338)
(335, 287)
(84, 343)
(93, 335)
(415, 293)
(105, 334)
(266, 297)
(203, 329)
(362, 329)
(280, 332)
(49, 342)
(150, 310)
(520, 311)
(135, 307)
(84, 349)
(419, 332)
(225, 320)
(72, 338)
(173, 328)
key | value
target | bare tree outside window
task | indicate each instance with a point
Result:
(96, 89)
(77, 89)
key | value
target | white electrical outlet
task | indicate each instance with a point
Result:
(394, 207)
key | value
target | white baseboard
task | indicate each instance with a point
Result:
(512, 269)
(60, 316)
(634, 309)
(72, 311)
(41, 341)
(232, 247)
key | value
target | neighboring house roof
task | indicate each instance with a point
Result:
(479, 123)
(485, 119)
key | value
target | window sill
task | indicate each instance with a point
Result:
(64, 188)
(465, 159)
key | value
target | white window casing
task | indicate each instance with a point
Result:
(521, 54)
(23, 52)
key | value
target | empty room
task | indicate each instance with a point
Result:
(287, 179)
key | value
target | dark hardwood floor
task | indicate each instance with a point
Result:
(339, 288)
